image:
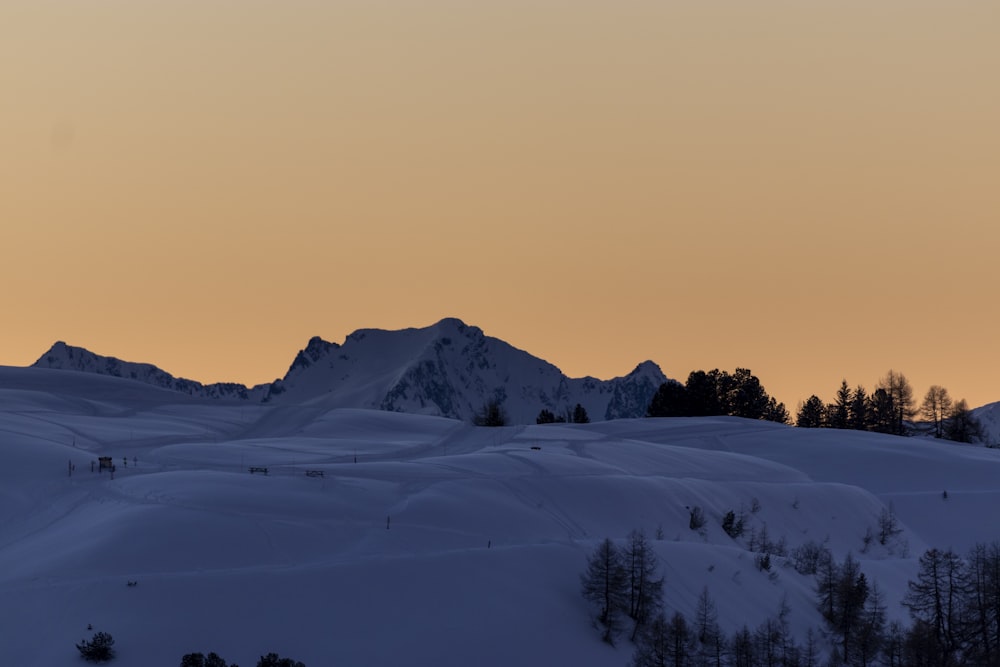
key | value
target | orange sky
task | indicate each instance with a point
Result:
(807, 189)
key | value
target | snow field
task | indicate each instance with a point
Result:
(488, 529)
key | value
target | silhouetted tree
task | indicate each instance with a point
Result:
(899, 390)
(858, 413)
(936, 408)
(645, 589)
(812, 413)
(717, 393)
(935, 597)
(962, 425)
(580, 415)
(702, 394)
(839, 413)
(882, 411)
(605, 584)
(670, 400)
(776, 412)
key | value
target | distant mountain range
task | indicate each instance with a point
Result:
(448, 369)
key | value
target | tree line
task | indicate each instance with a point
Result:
(715, 392)
(953, 604)
(891, 408)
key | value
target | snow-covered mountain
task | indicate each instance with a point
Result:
(70, 358)
(449, 369)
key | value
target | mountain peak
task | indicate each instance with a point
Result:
(449, 369)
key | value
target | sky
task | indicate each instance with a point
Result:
(805, 189)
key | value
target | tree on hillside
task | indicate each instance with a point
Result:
(546, 416)
(605, 585)
(858, 412)
(100, 648)
(838, 413)
(776, 412)
(935, 408)
(717, 393)
(962, 425)
(645, 590)
(670, 400)
(580, 415)
(898, 388)
(812, 413)
(744, 395)
(842, 590)
(935, 598)
(882, 411)
(702, 394)
(492, 414)
(710, 645)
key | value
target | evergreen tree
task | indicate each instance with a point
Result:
(605, 585)
(962, 425)
(839, 413)
(492, 414)
(546, 416)
(702, 394)
(580, 415)
(858, 416)
(812, 413)
(745, 396)
(882, 411)
(670, 400)
(100, 648)
(776, 412)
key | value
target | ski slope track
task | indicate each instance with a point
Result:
(426, 540)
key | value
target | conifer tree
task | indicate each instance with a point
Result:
(838, 414)
(645, 590)
(605, 585)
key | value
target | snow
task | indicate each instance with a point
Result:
(488, 529)
(447, 369)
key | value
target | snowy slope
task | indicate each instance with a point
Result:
(67, 357)
(989, 416)
(427, 540)
(448, 369)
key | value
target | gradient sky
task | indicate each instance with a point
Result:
(810, 189)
